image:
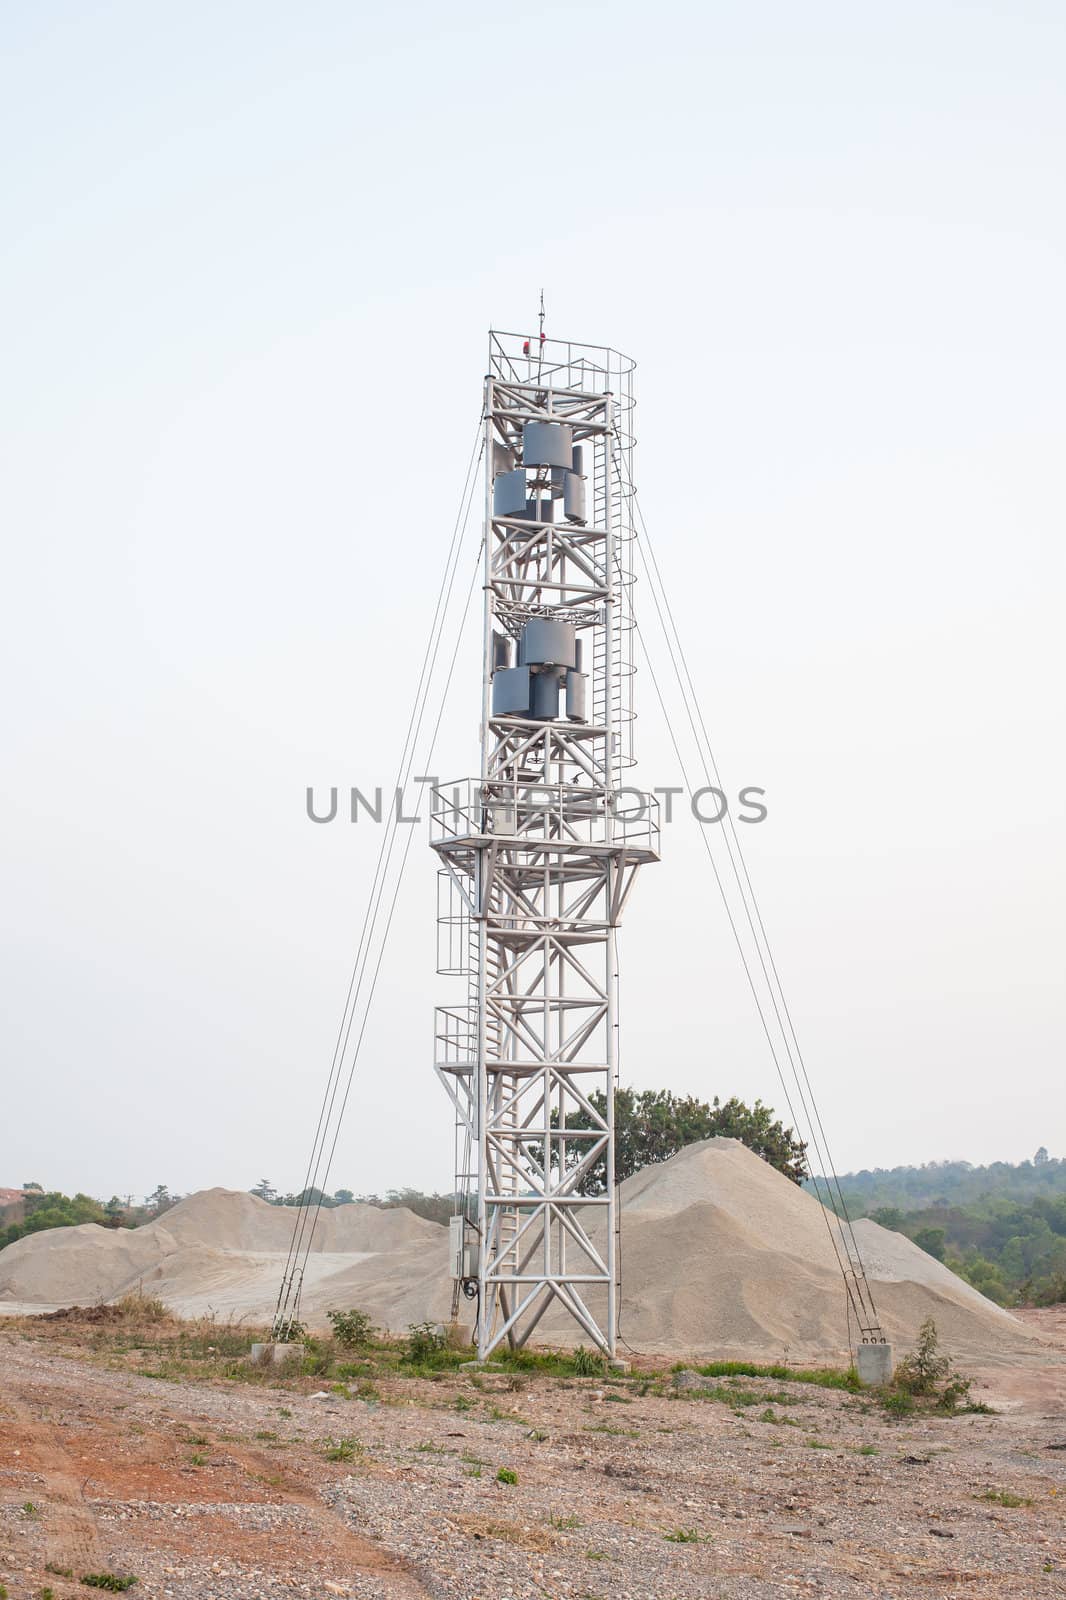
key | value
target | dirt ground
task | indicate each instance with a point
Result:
(214, 1487)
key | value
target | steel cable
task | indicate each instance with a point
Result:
(388, 924)
(284, 1313)
(857, 1288)
(829, 1176)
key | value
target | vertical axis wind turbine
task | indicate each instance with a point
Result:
(539, 854)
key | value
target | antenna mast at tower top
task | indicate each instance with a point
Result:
(538, 854)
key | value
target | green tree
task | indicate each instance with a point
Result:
(265, 1190)
(54, 1210)
(932, 1240)
(651, 1125)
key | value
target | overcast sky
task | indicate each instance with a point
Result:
(249, 255)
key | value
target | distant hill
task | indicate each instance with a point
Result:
(955, 1183)
(1001, 1227)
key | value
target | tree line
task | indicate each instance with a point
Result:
(1002, 1227)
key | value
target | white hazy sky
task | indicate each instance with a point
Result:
(248, 256)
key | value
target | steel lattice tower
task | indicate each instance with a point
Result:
(540, 853)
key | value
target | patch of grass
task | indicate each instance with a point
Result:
(770, 1415)
(472, 1472)
(266, 1433)
(137, 1307)
(30, 1510)
(429, 1449)
(1001, 1497)
(733, 1395)
(619, 1399)
(682, 1536)
(817, 1444)
(823, 1377)
(507, 1475)
(595, 1555)
(198, 1460)
(605, 1427)
(563, 1523)
(319, 1356)
(496, 1415)
(46, 1594)
(867, 1450)
(107, 1580)
(342, 1450)
(898, 1403)
(60, 1572)
(588, 1363)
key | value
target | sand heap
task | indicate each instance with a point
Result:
(721, 1256)
(222, 1252)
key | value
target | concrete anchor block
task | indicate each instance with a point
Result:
(874, 1364)
(270, 1354)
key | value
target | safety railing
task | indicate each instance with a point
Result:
(455, 1038)
(543, 813)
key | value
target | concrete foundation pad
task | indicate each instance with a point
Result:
(874, 1364)
(275, 1355)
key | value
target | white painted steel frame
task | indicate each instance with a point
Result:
(541, 862)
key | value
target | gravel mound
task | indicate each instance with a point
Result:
(721, 1257)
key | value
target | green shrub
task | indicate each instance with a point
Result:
(343, 1450)
(927, 1374)
(925, 1367)
(289, 1333)
(351, 1329)
(898, 1403)
(425, 1340)
(507, 1475)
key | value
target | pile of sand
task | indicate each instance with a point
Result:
(721, 1256)
(223, 1252)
